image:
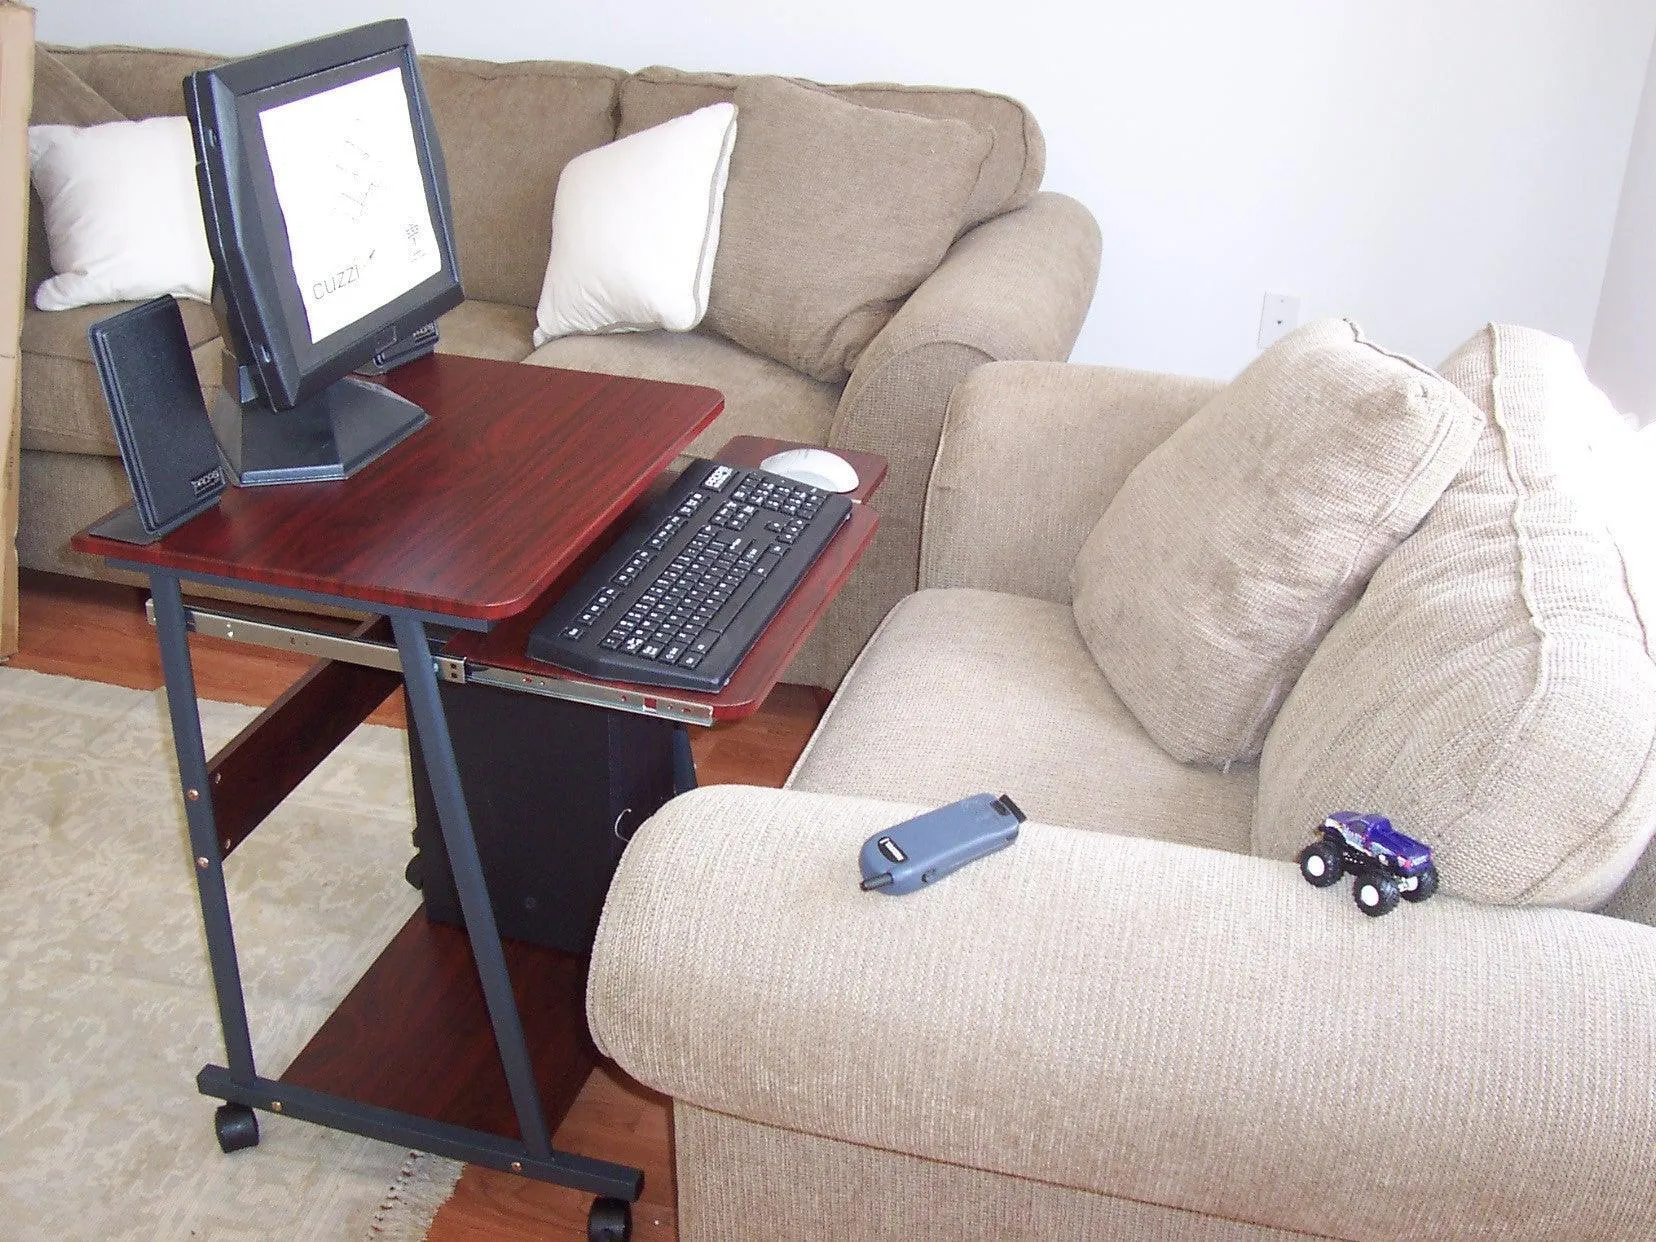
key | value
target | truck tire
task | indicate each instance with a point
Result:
(1426, 883)
(1320, 864)
(1375, 893)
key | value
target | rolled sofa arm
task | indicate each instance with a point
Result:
(1030, 455)
(1160, 1022)
(1016, 286)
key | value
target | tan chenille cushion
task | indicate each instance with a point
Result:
(1232, 547)
(833, 214)
(1494, 691)
(507, 131)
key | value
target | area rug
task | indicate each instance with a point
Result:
(106, 1004)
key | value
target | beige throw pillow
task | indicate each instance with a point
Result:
(1231, 548)
(833, 214)
(1494, 691)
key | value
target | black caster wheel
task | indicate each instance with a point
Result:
(610, 1220)
(237, 1126)
(414, 873)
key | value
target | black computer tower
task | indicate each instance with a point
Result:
(555, 789)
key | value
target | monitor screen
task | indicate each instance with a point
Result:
(353, 199)
(327, 214)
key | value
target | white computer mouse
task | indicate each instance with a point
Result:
(813, 467)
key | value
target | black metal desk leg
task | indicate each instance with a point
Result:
(420, 679)
(172, 633)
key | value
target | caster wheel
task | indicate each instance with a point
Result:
(610, 1220)
(414, 873)
(237, 1126)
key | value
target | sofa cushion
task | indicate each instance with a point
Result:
(1236, 543)
(762, 397)
(964, 691)
(635, 227)
(1495, 689)
(140, 82)
(63, 408)
(507, 130)
(487, 330)
(833, 214)
(1010, 176)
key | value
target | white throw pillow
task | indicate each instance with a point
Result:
(635, 226)
(122, 213)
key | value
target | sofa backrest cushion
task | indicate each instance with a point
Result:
(833, 214)
(139, 81)
(1235, 544)
(1494, 691)
(507, 131)
(1009, 177)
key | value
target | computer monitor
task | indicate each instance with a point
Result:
(327, 214)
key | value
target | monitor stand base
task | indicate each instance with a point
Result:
(329, 436)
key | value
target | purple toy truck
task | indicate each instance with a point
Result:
(1385, 864)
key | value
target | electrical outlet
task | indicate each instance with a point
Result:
(1278, 317)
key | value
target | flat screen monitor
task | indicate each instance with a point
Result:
(327, 213)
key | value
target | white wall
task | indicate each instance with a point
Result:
(1420, 165)
(1623, 355)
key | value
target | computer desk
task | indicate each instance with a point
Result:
(459, 539)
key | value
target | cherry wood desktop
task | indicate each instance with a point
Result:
(461, 536)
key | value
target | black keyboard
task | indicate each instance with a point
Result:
(682, 595)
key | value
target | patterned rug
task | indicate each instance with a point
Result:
(106, 1006)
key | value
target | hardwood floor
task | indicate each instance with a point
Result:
(97, 631)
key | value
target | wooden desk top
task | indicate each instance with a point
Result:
(473, 516)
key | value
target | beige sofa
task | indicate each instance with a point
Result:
(1140, 1021)
(1016, 283)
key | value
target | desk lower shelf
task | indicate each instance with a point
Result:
(413, 1035)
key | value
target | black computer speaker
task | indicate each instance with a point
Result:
(161, 424)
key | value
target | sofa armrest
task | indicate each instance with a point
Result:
(1155, 1021)
(1030, 455)
(1016, 286)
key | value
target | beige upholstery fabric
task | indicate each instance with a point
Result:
(61, 97)
(828, 1196)
(1636, 898)
(965, 692)
(507, 131)
(16, 83)
(63, 405)
(138, 82)
(1494, 691)
(1093, 425)
(487, 330)
(761, 397)
(1010, 175)
(1234, 545)
(1015, 287)
(56, 491)
(1176, 1026)
(833, 214)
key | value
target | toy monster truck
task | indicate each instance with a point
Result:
(1386, 864)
